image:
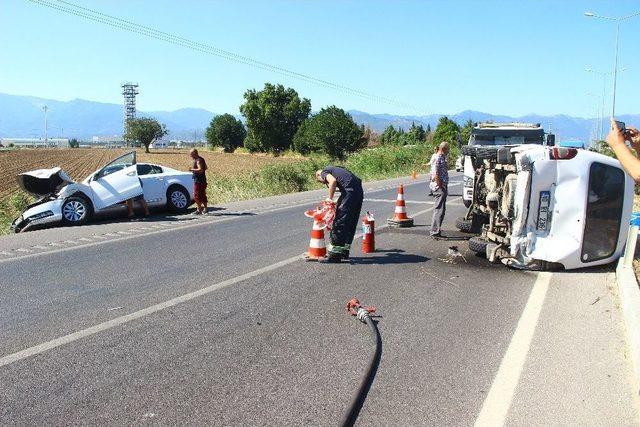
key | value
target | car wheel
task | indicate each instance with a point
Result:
(478, 245)
(76, 210)
(178, 199)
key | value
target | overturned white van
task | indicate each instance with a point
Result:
(539, 207)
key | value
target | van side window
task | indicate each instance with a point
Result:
(604, 212)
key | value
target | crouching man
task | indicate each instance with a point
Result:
(347, 209)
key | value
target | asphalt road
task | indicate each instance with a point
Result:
(219, 321)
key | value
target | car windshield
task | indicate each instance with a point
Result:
(507, 136)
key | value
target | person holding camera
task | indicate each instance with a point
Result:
(616, 140)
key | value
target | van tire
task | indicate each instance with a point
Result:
(464, 225)
(478, 245)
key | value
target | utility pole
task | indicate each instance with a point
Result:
(46, 142)
(617, 20)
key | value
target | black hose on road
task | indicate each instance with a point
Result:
(364, 315)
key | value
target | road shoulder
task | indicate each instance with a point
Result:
(578, 370)
(630, 301)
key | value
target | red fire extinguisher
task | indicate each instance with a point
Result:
(368, 234)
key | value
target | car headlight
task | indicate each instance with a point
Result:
(40, 215)
(467, 182)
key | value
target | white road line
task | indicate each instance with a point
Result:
(498, 401)
(121, 320)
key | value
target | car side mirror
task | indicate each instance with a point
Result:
(551, 139)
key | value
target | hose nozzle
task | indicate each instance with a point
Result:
(356, 309)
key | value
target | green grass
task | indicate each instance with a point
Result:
(273, 180)
(11, 208)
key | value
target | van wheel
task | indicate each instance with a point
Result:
(76, 210)
(465, 225)
(478, 245)
(178, 199)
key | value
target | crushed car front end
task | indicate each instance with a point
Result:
(45, 184)
(45, 211)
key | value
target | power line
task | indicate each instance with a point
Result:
(119, 23)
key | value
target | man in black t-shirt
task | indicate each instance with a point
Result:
(347, 209)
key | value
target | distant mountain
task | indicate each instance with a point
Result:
(22, 117)
(565, 127)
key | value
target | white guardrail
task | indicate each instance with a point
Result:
(632, 238)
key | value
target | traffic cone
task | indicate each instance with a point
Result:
(400, 218)
(317, 247)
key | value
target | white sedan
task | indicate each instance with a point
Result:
(72, 203)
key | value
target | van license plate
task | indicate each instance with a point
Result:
(543, 210)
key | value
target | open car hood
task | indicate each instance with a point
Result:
(42, 182)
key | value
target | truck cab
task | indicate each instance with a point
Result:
(497, 135)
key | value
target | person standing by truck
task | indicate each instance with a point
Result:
(347, 209)
(439, 188)
(199, 170)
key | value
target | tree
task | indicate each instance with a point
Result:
(73, 143)
(465, 132)
(428, 128)
(331, 131)
(602, 147)
(225, 131)
(273, 116)
(447, 130)
(144, 130)
(415, 135)
(392, 136)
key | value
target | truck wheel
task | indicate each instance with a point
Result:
(478, 245)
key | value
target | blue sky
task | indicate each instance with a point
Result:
(502, 57)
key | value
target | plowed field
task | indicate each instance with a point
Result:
(80, 162)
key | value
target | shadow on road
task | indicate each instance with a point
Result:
(423, 230)
(390, 256)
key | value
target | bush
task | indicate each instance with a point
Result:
(280, 179)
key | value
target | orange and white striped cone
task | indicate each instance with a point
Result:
(317, 247)
(400, 218)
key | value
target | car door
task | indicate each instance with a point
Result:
(116, 182)
(153, 183)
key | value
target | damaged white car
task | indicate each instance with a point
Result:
(74, 203)
(539, 207)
